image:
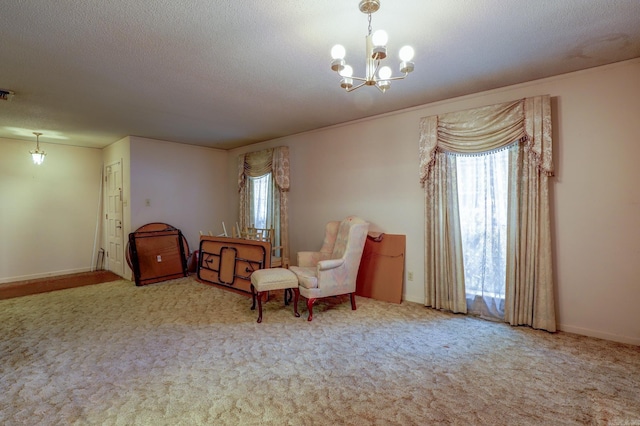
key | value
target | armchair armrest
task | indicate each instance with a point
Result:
(323, 265)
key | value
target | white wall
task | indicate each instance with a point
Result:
(48, 213)
(370, 168)
(186, 187)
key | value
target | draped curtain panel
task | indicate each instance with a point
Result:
(529, 291)
(259, 163)
(281, 178)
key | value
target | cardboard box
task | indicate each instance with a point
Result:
(381, 273)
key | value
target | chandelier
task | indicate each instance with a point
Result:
(376, 51)
(36, 154)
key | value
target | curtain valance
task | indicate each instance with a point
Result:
(259, 163)
(489, 128)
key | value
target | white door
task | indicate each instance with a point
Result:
(115, 237)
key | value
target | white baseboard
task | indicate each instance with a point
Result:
(413, 298)
(599, 334)
(44, 275)
(567, 328)
(581, 331)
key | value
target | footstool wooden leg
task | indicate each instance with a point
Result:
(296, 296)
(253, 298)
(259, 297)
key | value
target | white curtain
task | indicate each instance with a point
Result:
(262, 208)
(529, 285)
(483, 201)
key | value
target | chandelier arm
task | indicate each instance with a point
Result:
(357, 87)
(359, 78)
(388, 79)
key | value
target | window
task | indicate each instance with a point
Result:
(263, 211)
(260, 189)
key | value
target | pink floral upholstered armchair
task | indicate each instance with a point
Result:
(333, 270)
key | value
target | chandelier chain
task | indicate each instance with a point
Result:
(369, 23)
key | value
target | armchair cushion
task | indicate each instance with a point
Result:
(307, 276)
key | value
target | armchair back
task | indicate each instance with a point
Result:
(330, 235)
(349, 245)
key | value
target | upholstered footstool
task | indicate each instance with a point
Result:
(264, 280)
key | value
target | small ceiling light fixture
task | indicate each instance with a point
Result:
(37, 155)
(376, 46)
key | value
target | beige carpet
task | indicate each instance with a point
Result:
(184, 353)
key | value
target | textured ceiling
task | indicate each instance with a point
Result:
(226, 73)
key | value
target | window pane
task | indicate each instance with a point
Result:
(260, 188)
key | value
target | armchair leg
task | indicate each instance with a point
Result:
(353, 301)
(310, 303)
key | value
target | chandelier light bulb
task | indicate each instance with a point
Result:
(406, 53)
(338, 51)
(347, 71)
(380, 38)
(384, 73)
